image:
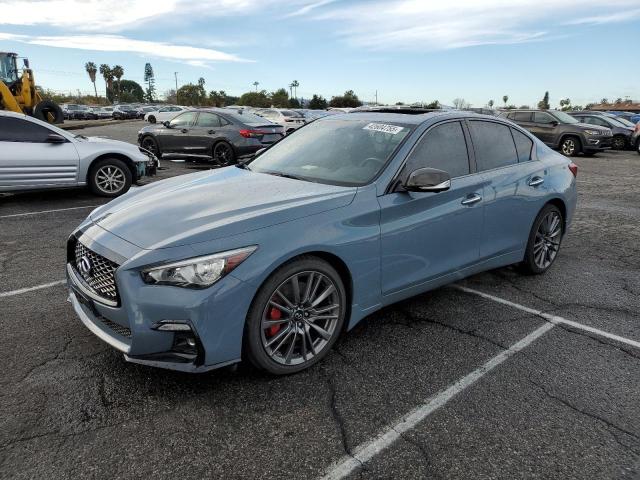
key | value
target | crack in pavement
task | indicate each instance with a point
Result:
(591, 415)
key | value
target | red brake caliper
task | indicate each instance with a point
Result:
(274, 314)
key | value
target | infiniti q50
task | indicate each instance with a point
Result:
(272, 260)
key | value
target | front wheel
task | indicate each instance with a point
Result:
(570, 146)
(618, 143)
(110, 177)
(544, 240)
(296, 317)
(150, 143)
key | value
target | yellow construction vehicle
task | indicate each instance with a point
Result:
(18, 92)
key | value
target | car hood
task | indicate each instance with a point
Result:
(588, 126)
(215, 204)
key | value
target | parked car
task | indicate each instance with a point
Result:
(560, 130)
(164, 114)
(72, 111)
(213, 134)
(289, 119)
(102, 112)
(621, 132)
(142, 111)
(37, 155)
(271, 261)
(124, 112)
(635, 138)
(630, 116)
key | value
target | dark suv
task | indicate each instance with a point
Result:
(621, 132)
(561, 131)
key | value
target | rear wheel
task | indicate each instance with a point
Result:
(544, 240)
(152, 119)
(571, 146)
(296, 317)
(110, 177)
(223, 154)
(618, 143)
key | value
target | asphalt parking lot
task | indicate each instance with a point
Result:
(450, 384)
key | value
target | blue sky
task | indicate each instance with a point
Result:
(407, 50)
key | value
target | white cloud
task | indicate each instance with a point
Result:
(435, 25)
(116, 43)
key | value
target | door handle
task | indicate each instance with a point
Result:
(184, 130)
(471, 199)
(535, 181)
(211, 132)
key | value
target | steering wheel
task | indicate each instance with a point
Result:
(375, 160)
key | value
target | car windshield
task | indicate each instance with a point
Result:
(623, 121)
(565, 117)
(336, 151)
(247, 118)
(289, 113)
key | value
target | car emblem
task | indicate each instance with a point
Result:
(84, 265)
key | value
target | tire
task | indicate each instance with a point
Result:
(222, 154)
(570, 146)
(619, 142)
(638, 146)
(271, 347)
(48, 111)
(113, 168)
(152, 119)
(151, 144)
(550, 224)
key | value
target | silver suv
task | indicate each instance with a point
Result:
(36, 155)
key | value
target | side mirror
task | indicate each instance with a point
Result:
(166, 124)
(555, 123)
(25, 61)
(55, 138)
(427, 180)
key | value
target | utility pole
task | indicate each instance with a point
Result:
(175, 74)
(376, 98)
(255, 84)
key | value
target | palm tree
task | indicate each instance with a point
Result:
(505, 99)
(118, 72)
(295, 86)
(107, 74)
(490, 104)
(91, 69)
(255, 84)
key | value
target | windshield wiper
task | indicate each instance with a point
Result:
(243, 166)
(286, 175)
(81, 136)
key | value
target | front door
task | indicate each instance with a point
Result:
(544, 127)
(175, 137)
(425, 235)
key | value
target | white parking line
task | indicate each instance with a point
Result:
(555, 319)
(47, 211)
(366, 451)
(11, 293)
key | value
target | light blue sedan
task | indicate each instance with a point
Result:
(272, 260)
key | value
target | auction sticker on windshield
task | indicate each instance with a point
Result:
(383, 127)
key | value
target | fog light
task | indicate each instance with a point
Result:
(172, 326)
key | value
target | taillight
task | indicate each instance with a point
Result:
(638, 127)
(252, 133)
(574, 169)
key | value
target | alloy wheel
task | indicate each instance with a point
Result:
(547, 241)
(300, 318)
(222, 154)
(618, 143)
(569, 147)
(149, 144)
(110, 179)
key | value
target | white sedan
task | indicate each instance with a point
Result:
(35, 155)
(164, 114)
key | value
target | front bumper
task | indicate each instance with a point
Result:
(597, 143)
(215, 315)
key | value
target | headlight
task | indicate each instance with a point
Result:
(199, 272)
(593, 132)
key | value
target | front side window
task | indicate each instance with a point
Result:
(334, 151)
(18, 130)
(564, 117)
(444, 148)
(183, 120)
(493, 145)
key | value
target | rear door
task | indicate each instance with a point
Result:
(425, 235)
(207, 130)
(513, 184)
(28, 160)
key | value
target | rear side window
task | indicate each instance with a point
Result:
(541, 117)
(443, 147)
(524, 145)
(493, 145)
(17, 130)
(522, 116)
(208, 120)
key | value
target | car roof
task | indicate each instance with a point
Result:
(408, 118)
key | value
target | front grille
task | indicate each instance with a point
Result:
(100, 274)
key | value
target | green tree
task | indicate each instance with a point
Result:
(433, 105)
(280, 98)
(565, 104)
(130, 91)
(544, 103)
(91, 69)
(106, 73)
(505, 99)
(150, 80)
(490, 103)
(118, 72)
(255, 99)
(348, 100)
(191, 94)
(217, 99)
(295, 84)
(318, 102)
